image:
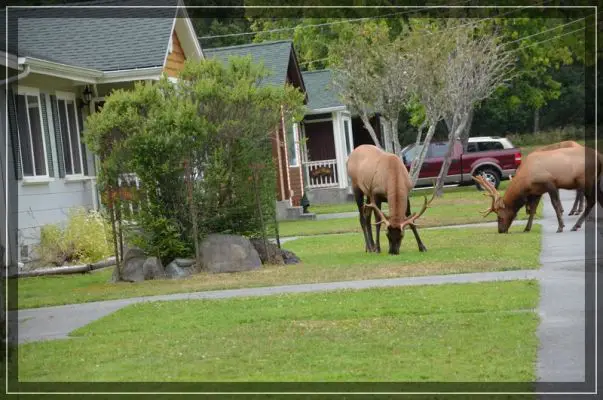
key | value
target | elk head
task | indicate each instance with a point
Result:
(396, 225)
(505, 214)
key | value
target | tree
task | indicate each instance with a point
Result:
(476, 66)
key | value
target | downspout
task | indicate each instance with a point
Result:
(22, 75)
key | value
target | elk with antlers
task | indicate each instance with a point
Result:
(382, 177)
(578, 206)
(570, 168)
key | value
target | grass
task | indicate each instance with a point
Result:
(458, 206)
(481, 332)
(325, 259)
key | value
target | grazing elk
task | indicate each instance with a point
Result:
(569, 168)
(578, 206)
(382, 177)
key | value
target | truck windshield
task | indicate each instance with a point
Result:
(410, 154)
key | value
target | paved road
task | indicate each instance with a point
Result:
(562, 302)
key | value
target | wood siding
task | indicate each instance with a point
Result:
(175, 60)
(297, 185)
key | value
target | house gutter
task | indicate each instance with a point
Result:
(324, 110)
(12, 79)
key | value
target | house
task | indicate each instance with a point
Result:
(329, 134)
(68, 61)
(280, 60)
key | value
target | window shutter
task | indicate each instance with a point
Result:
(80, 122)
(57, 135)
(14, 132)
(46, 128)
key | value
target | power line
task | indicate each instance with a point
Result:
(546, 40)
(317, 25)
(548, 30)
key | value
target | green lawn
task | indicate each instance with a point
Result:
(459, 206)
(483, 332)
(325, 259)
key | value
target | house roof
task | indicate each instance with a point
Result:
(97, 38)
(321, 93)
(275, 55)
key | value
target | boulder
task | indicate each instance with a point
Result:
(271, 256)
(228, 253)
(153, 269)
(185, 262)
(132, 265)
(137, 267)
(175, 271)
(289, 257)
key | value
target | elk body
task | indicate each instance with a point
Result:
(570, 168)
(382, 177)
(578, 206)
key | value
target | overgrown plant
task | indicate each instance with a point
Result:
(84, 239)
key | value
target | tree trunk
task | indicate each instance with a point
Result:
(448, 157)
(417, 163)
(193, 211)
(467, 131)
(394, 131)
(536, 119)
(369, 128)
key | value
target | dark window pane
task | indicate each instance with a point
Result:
(37, 135)
(488, 146)
(65, 137)
(471, 148)
(73, 131)
(24, 138)
(347, 139)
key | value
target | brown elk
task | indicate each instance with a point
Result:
(578, 206)
(569, 168)
(382, 177)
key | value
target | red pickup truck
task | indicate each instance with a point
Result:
(493, 157)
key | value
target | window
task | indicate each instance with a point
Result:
(70, 135)
(487, 146)
(412, 153)
(471, 147)
(31, 134)
(437, 150)
(291, 145)
(346, 131)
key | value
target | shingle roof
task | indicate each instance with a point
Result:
(321, 93)
(102, 38)
(275, 56)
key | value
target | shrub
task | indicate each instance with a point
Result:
(85, 238)
(547, 137)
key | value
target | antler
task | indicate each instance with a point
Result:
(383, 218)
(426, 204)
(490, 191)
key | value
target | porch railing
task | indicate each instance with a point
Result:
(322, 173)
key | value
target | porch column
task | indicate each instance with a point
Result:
(338, 138)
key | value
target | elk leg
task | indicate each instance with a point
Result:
(533, 206)
(422, 247)
(378, 227)
(554, 195)
(577, 201)
(590, 203)
(369, 227)
(359, 196)
(581, 202)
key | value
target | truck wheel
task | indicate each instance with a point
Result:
(490, 175)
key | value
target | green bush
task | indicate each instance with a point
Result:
(547, 137)
(85, 238)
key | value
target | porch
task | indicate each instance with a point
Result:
(329, 138)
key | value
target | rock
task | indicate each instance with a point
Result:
(174, 271)
(132, 265)
(184, 262)
(289, 257)
(228, 253)
(273, 257)
(153, 269)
